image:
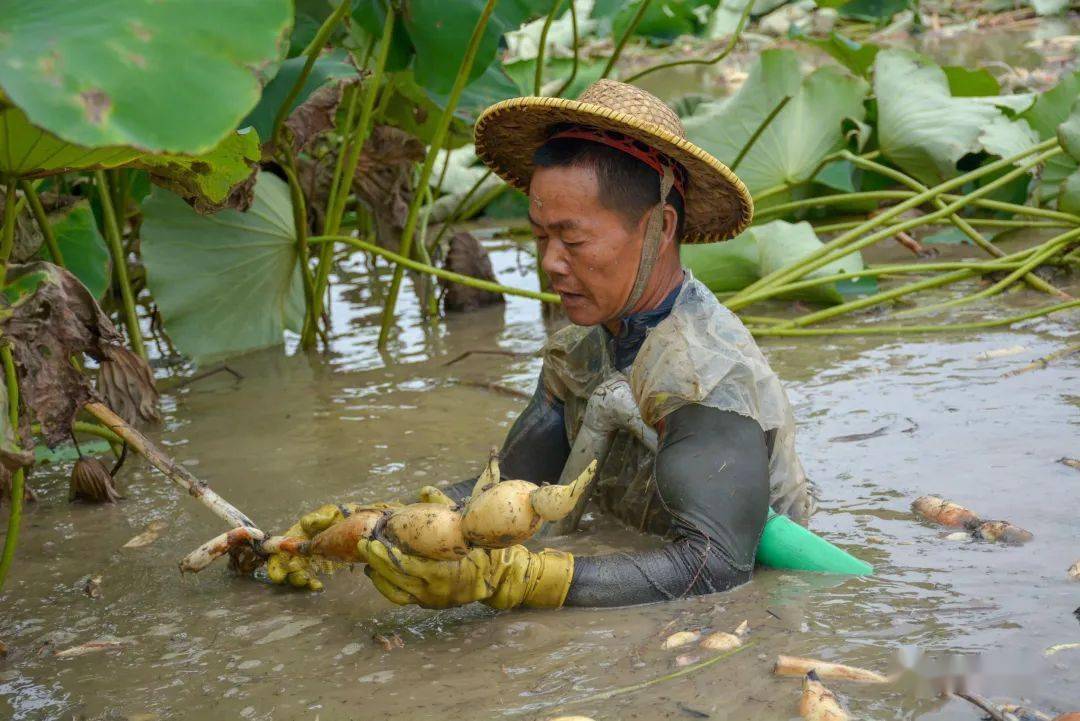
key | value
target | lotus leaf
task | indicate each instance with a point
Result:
(921, 127)
(225, 283)
(808, 128)
(1050, 110)
(221, 178)
(875, 11)
(761, 250)
(84, 250)
(855, 56)
(966, 83)
(31, 152)
(1069, 197)
(174, 76)
(331, 66)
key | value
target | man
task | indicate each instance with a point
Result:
(613, 188)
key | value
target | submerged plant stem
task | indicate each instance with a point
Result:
(419, 267)
(903, 329)
(437, 140)
(18, 478)
(119, 258)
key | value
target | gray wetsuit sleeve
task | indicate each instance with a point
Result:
(536, 447)
(712, 475)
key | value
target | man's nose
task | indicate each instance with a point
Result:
(554, 260)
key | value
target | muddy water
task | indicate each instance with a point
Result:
(881, 422)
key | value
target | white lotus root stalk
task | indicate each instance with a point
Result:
(499, 513)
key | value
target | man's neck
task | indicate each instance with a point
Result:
(662, 282)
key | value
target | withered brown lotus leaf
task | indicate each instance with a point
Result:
(318, 113)
(48, 316)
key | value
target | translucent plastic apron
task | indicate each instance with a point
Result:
(701, 353)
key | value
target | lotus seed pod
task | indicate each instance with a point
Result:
(92, 482)
(431, 530)
(501, 516)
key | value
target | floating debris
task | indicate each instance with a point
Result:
(1060, 647)
(686, 659)
(388, 643)
(94, 647)
(1001, 352)
(680, 638)
(958, 536)
(92, 587)
(800, 666)
(1023, 713)
(153, 531)
(1074, 571)
(1001, 531)
(819, 703)
(721, 641)
(1070, 462)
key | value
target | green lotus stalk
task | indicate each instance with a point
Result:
(312, 51)
(1046, 251)
(429, 300)
(300, 223)
(11, 211)
(1017, 209)
(18, 478)
(119, 258)
(924, 285)
(634, 22)
(42, 218)
(437, 141)
(915, 329)
(703, 61)
(825, 200)
(343, 184)
(538, 79)
(404, 262)
(960, 223)
(850, 241)
(574, 41)
(760, 129)
(90, 429)
(456, 213)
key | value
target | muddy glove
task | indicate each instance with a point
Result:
(300, 571)
(503, 578)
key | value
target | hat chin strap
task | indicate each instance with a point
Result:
(651, 247)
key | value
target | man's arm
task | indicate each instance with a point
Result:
(712, 474)
(535, 449)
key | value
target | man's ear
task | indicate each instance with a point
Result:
(671, 225)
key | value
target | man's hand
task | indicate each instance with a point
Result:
(502, 578)
(300, 571)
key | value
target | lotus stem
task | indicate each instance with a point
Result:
(429, 163)
(964, 227)
(837, 199)
(172, 470)
(300, 224)
(18, 478)
(538, 78)
(1045, 252)
(634, 22)
(42, 219)
(1042, 151)
(7, 236)
(90, 429)
(760, 129)
(849, 242)
(342, 186)
(916, 329)
(119, 258)
(419, 267)
(700, 61)
(312, 51)
(574, 40)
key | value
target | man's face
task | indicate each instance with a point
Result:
(587, 250)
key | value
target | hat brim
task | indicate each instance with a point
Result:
(718, 205)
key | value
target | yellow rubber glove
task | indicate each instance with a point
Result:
(300, 571)
(503, 578)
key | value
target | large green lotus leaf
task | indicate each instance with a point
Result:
(875, 11)
(724, 267)
(798, 139)
(30, 152)
(368, 19)
(415, 111)
(855, 56)
(760, 250)
(1068, 133)
(225, 283)
(440, 32)
(922, 128)
(172, 75)
(1069, 197)
(1049, 111)
(209, 182)
(328, 67)
(966, 83)
(84, 250)
(663, 19)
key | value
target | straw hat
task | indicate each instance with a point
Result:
(718, 205)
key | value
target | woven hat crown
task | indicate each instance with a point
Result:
(632, 100)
